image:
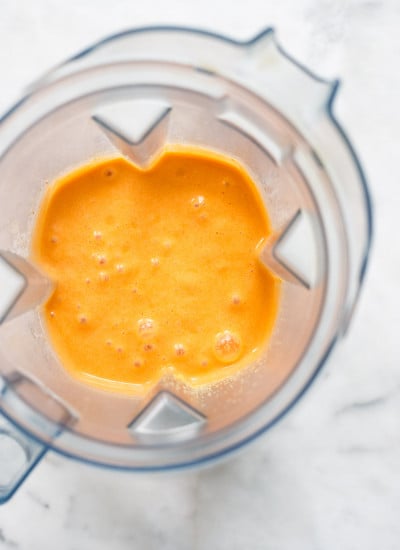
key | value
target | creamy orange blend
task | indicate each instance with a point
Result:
(156, 271)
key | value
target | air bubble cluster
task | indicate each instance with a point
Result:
(227, 346)
(146, 328)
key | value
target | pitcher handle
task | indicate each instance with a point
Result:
(47, 418)
(19, 454)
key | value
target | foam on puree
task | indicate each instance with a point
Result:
(156, 271)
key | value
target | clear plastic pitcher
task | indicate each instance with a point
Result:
(132, 94)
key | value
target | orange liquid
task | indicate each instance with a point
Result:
(156, 270)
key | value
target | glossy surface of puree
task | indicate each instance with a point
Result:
(156, 271)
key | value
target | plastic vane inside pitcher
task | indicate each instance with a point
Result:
(135, 94)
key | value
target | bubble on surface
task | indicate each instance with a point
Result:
(120, 268)
(146, 328)
(97, 235)
(198, 202)
(108, 172)
(227, 346)
(148, 347)
(82, 318)
(179, 350)
(103, 276)
(101, 258)
(155, 261)
(236, 299)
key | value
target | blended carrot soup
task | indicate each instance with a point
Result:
(156, 271)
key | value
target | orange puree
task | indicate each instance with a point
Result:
(156, 271)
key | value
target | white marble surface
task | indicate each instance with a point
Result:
(328, 476)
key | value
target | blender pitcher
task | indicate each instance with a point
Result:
(133, 94)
